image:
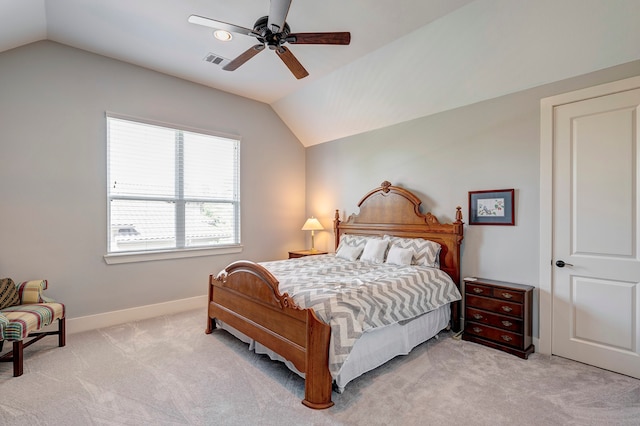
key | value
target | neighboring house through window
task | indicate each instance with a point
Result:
(170, 189)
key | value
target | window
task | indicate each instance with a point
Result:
(170, 189)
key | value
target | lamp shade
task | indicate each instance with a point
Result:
(312, 224)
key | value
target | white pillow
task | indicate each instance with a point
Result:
(399, 256)
(374, 251)
(349, 252)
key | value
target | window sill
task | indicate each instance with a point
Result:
(131, 257)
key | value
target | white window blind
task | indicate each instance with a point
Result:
(170, 189)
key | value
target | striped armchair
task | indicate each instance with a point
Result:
(23, 323)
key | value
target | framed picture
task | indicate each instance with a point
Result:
(494, 207)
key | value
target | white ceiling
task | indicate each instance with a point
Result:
(407, 58)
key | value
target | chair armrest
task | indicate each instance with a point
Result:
(31, 292)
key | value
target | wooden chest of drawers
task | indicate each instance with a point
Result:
(498, 314)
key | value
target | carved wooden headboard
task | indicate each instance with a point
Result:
(391, 210)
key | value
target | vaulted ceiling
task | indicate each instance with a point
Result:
(407, 58)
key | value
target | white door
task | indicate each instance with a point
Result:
(596, 229)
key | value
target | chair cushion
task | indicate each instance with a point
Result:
(8, 293)
(24, 319)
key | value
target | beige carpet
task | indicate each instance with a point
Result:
(166, 371)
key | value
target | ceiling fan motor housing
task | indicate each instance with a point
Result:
(265, 35)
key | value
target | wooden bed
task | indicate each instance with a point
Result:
(246, 296)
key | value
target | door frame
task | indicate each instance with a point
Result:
(547, 105)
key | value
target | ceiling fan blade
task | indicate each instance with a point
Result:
(291, 62)
(244, 57)
(320, 38)
(219, 25)
(278, 11)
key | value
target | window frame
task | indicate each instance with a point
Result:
(115, 257)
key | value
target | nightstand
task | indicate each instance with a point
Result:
(498, 315)
(303, 253)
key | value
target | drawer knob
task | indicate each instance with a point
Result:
(477, 290)
(477, 329)
(507, 308)
(506, 338)
(507, 323)
(477, 316)
(507, 295)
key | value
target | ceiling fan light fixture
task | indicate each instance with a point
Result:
(222, 35)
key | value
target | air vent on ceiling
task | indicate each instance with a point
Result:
(215, 59)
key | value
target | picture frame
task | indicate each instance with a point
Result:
(492, 207)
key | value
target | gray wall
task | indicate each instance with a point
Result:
(489, 145)
(53, 100)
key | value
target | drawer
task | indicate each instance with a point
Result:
(495, 320)
(497, 335)
(491, 291)
(478, 289)
(494, 305)
(507, 294)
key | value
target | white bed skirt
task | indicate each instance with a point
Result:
(374, 348)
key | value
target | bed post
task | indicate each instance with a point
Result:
(211, 322)
(455, 306)
(317, 384)
(336, 228)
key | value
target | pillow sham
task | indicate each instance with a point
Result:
(399, 256)
(374, 251)
(425, 252)
(349, 252)
(354, 240)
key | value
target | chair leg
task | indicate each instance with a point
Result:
(62, 332)
(16, 356)
(18, 350)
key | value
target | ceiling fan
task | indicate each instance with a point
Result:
(274, 32)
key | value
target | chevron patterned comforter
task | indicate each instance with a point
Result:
(354, 297)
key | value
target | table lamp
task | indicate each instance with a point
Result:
(312, 224)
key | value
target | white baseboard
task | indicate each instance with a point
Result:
(107, 319)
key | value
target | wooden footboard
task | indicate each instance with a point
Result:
(246, 296)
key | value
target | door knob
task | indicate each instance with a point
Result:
(562, 264)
